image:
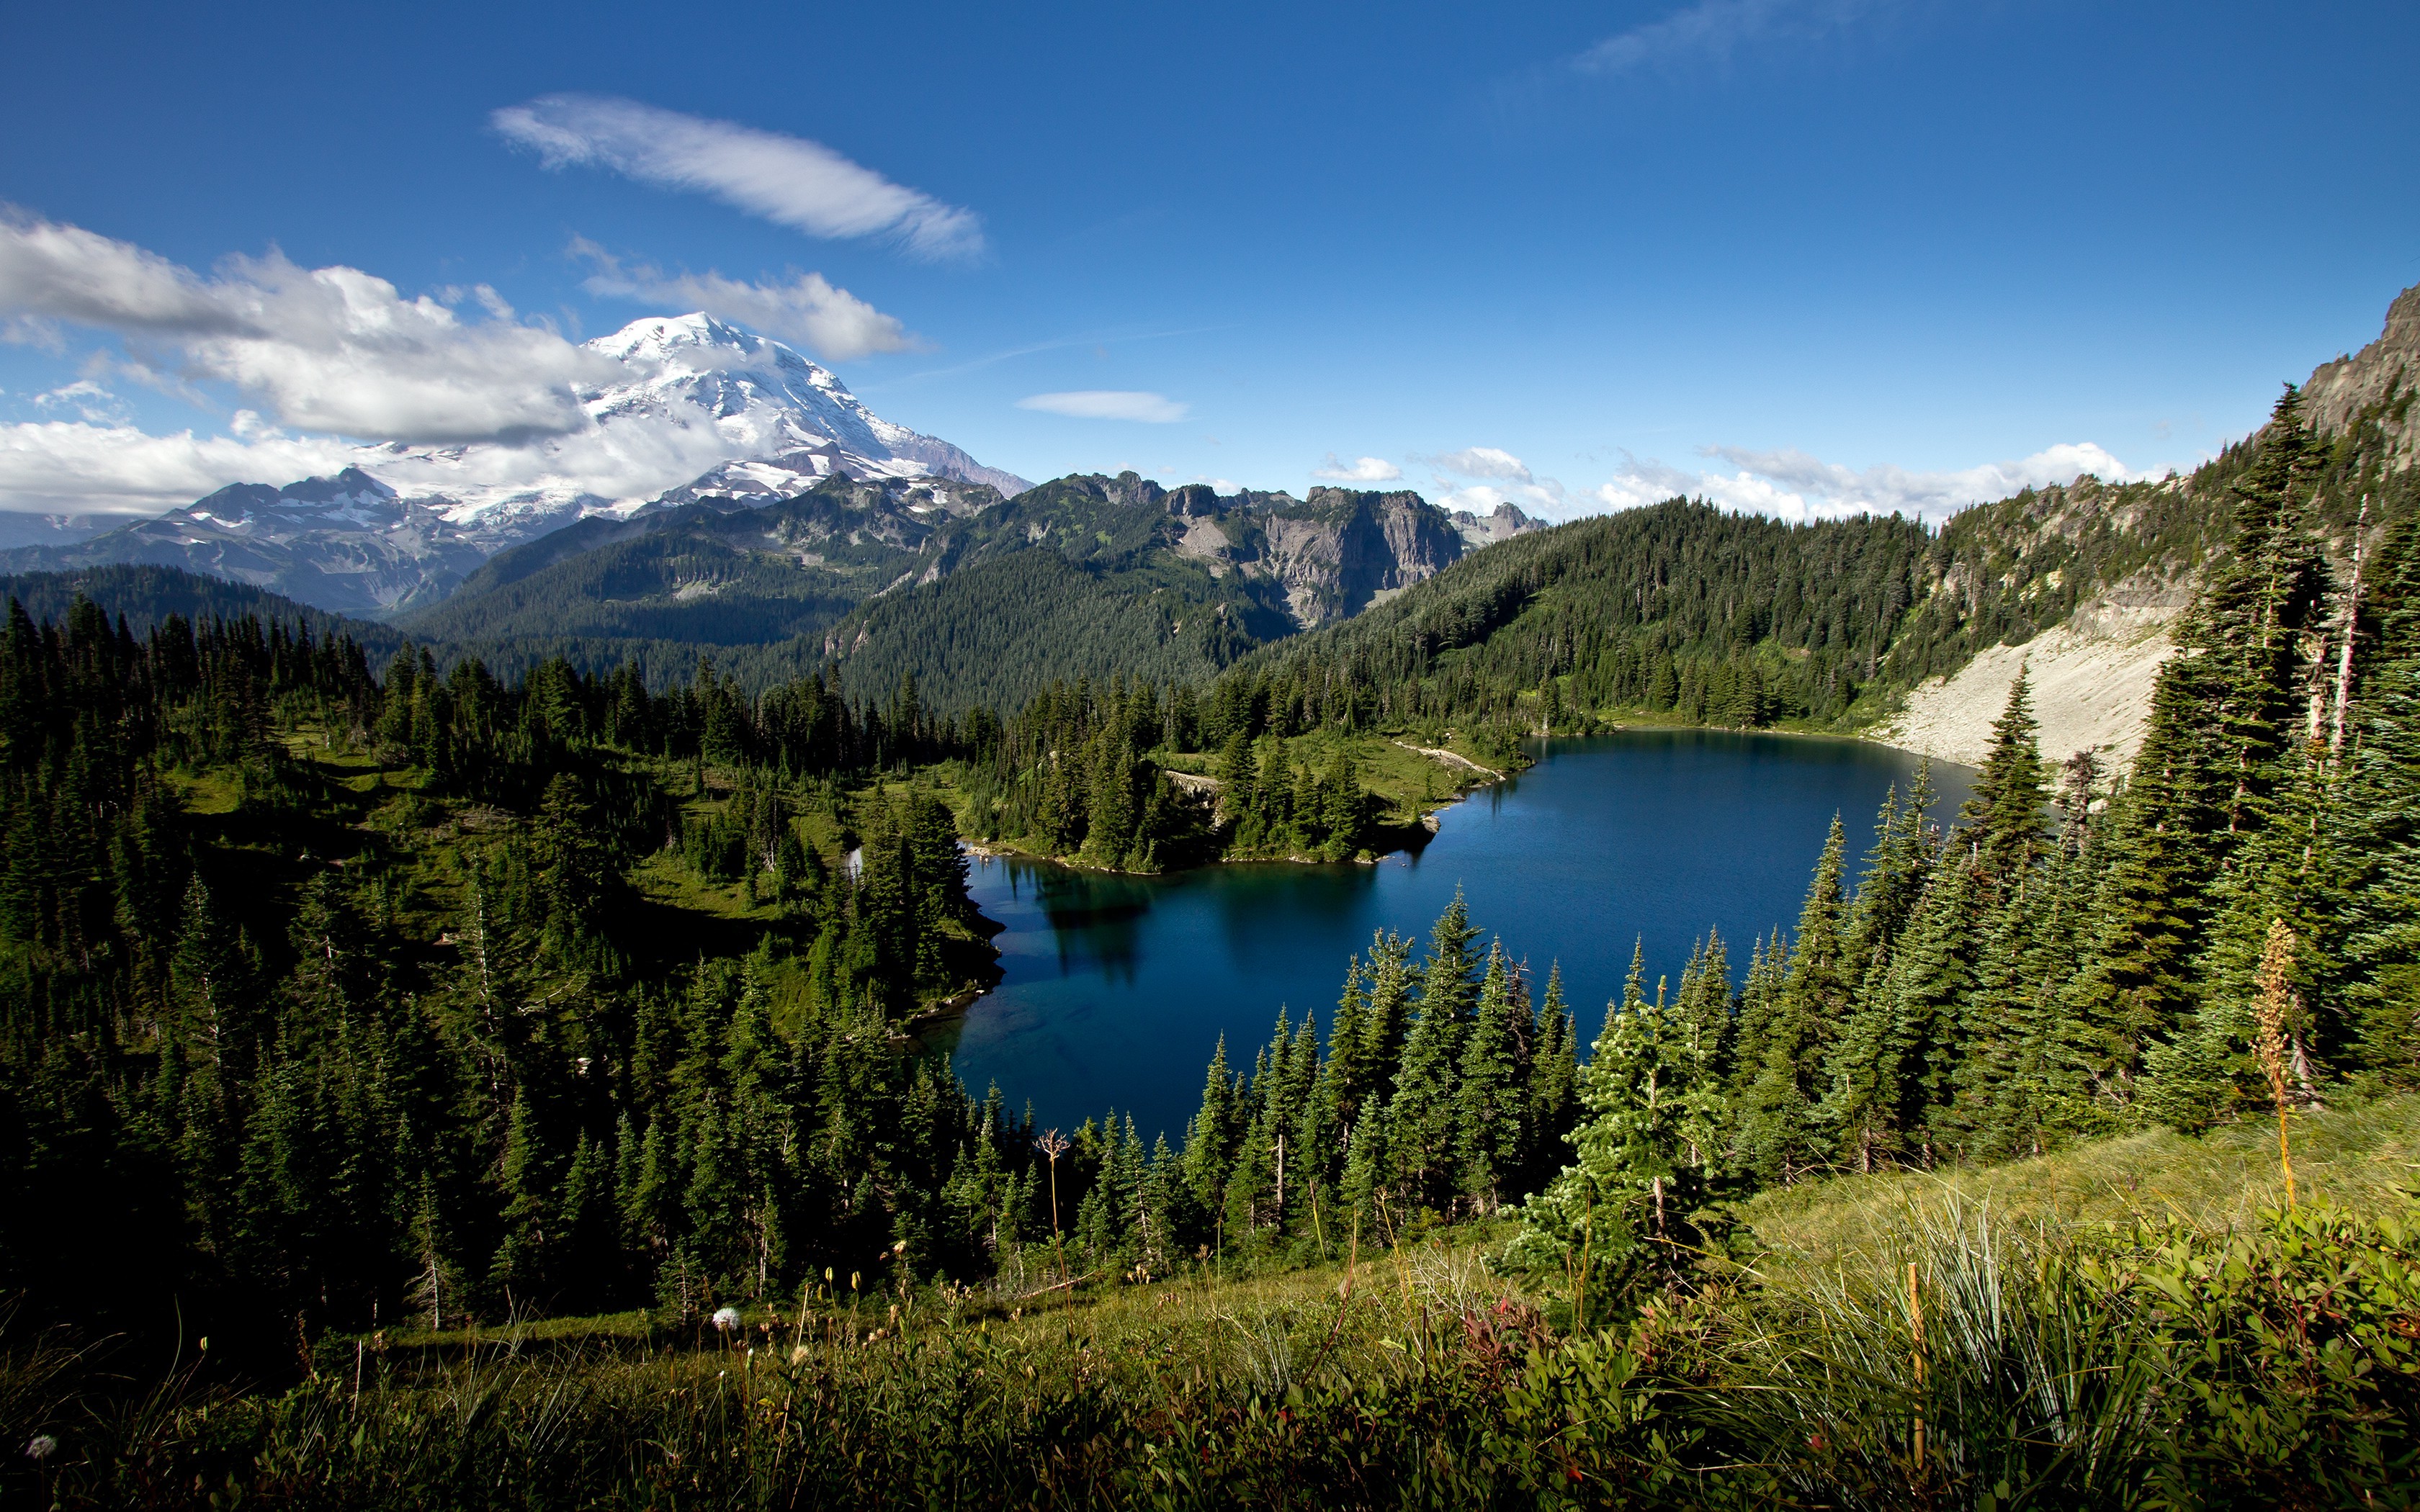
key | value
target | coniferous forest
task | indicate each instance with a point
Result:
(421, 1087)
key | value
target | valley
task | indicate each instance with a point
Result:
(608, 950)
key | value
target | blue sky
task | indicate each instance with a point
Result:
(1835, 252)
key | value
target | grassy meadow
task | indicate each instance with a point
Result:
(2133, 1323)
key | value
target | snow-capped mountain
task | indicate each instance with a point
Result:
(348, 543)
(707, 409)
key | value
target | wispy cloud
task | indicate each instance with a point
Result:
(1715, 30)
(321, 348)
(831, 322)
(1507, 481)
(1482, 462)
(1109, 404)
(1792, 485)
(1360, 470)
(787, 179)
(86, 399)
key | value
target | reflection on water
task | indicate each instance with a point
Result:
(1114, 989)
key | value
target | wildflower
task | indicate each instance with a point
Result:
(726, 1318)
(41, 1447)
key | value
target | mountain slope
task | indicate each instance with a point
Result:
(346, 544)
(706, 412)
(1870, 625)
(1085, 576)
(984, 600)
(143, 596)
(2080, 586)
(708, 572)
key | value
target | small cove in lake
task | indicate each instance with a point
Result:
(1115, 989)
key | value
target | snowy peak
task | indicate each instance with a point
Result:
(706, 410)
(351, 498)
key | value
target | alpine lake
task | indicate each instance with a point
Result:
(1115, 989)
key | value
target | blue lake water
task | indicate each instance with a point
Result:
(1116, 988)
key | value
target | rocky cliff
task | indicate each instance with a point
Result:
(2381, 376)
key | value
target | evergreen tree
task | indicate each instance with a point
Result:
(1493, 1091)
(1423, 1115)
(1806, 1006)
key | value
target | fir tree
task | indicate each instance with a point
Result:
(1493, 1094)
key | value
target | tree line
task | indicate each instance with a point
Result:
(1081, 772)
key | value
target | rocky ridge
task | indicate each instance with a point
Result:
(348, 543)
(2379, 376)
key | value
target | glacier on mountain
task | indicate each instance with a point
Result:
(708, 410)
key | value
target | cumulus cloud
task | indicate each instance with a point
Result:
(1360, 470)
(79, 468)
(54, 272)
(787, 179)
(1109, 404)
(832, 323)
(1713, 30)
(1792, 485)
(326, 348)
(1518, 485)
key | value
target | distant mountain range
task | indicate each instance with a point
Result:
(404, 526)
(812, 506)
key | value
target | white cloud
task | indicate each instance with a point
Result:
(1715, 29)
(54, 272)
(832, 323)
(1109, 404)
(1792, 485)
(85, 397)
(1481, 462)
(1360, 470)
(1518, 484)
(79, 468)
(329, 348)
(787, 179)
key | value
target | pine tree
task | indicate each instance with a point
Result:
(1554, 1086)
(2001, 822)
(2379, 886)
(1623, 1212)
(1424, 1123)
(1211, 1139)
(1492, 1096)
(1807, 1010)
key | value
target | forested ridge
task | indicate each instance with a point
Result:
(1682, 612)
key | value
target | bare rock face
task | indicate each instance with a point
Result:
(1333, 555)
(1503, 523)
(2340, 391)
(2091, 678)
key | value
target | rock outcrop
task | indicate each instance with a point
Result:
(2091, 678)
(2376, 376)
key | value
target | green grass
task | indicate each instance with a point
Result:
(1991, 1340)
(2361, 1157)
